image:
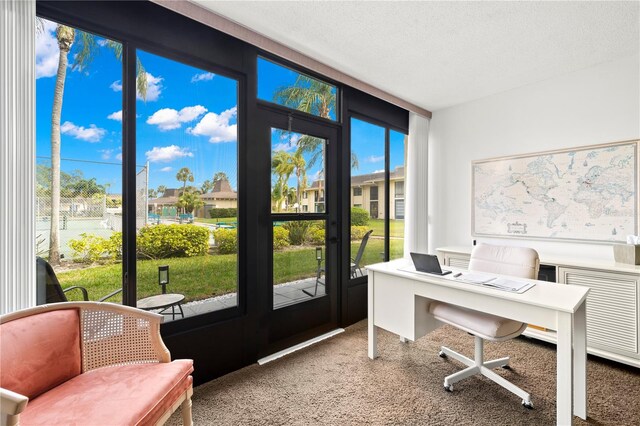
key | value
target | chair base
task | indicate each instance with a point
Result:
(479, 366)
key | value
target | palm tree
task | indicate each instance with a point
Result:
(190, 201)
(184, 175)
(314, 97)
(207, 186)
(87, 46)
(161, 190)
(220, 176)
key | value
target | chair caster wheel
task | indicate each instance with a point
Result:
(441, 354)
(448, 388)
(506, 367)
(528, 405)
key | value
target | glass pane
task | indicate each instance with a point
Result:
(397, 150)
(187, 180)
(78, 210)
(297, 172)
(289, 88)
(299, 254)
(367, 195)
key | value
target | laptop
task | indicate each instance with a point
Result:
(427, 263)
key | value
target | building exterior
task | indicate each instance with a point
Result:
(222, 196)
(367, 192)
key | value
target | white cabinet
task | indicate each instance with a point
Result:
(613, 304)
(612, 308)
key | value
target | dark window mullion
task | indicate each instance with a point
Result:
(129, 174)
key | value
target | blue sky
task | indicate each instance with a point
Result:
(189, 118)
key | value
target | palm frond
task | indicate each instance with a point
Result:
(87, 48)
(141, 80)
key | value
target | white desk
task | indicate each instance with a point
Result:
(398, 303)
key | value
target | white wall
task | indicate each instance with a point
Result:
(595, 105)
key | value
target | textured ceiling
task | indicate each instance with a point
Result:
(439, 54)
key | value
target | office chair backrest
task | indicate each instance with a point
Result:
(363, 244)
(515, 261)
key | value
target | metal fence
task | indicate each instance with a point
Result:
(92, 211)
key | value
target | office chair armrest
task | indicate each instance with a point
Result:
(113, 293)
(85, 295)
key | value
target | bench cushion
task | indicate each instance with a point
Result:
(484, 325)
(135, 394)
(39, 352)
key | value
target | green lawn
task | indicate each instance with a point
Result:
(396, 227)
(202, 277)
(216, 220)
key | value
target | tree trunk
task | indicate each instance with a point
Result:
(65, 45)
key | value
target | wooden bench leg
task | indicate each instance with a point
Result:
(187, 419)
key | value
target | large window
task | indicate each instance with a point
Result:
(78, 211)
(284, 86)
(372, 147)
(186, 142)
(367, 174)
(397, 153)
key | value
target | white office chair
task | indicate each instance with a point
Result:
(514, 261)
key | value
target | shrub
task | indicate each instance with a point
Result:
(280, 237)
(226, 240)
(317, 236)
(89, 248)
(115, 246)
(162, 241)
(218, 212)
(359, 216)
(298, 231)
(358, 232)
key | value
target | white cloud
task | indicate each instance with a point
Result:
(167, 153)
(169, 118)
(166, 169)
(378, 171)
(116, 86)
(154, 88)
(119, 157)
(117, 116)
(217, 126)
(102, 42)
(90, 134)
(284, 147)
(105, 153)
(374, 159)
(205, 76)
(47, 50)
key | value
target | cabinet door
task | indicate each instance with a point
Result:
(612, 309)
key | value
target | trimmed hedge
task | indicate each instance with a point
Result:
(219, 212)
(317, 236)
(358, 232)
(280, 238)
(359, 217)
(162, 241)
(92, 248)
(226, 240)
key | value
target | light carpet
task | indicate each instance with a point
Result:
(335, 383)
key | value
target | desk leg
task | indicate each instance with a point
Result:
(372, 332)
(580, 362)
(403, 339)
(564, 369)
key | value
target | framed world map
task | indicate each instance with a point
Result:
(588, 194)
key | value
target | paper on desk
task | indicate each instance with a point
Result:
(507, 284)
(477, 278)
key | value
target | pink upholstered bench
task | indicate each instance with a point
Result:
(89, 363)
